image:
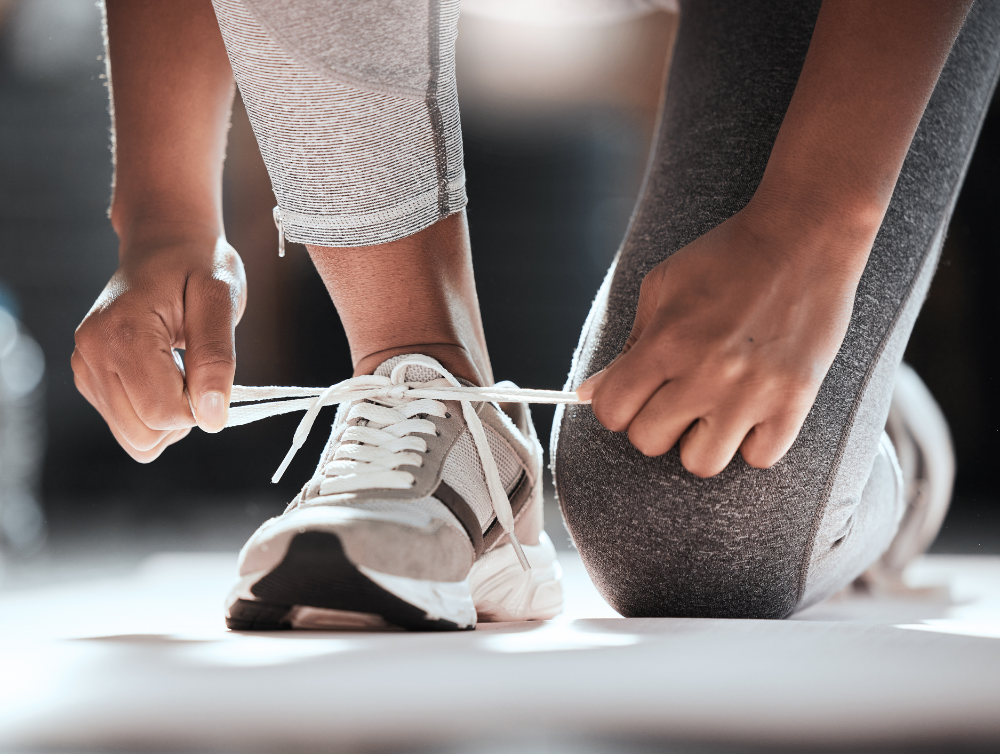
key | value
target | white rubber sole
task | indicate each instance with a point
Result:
(440, 600)
(503, 591)
(497, 589)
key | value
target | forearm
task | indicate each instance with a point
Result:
(868, 75)
(172, 89)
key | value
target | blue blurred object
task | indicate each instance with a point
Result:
(8, 301)
(22, 433)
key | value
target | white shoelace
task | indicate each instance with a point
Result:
(369, 455)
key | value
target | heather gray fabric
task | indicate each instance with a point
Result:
(761, 543)
(376, 45)
(355, 109)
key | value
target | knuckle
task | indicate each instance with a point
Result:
(701, 465)
(229, 259)
(133, 433)
(118, 333)
(757, 459)
(703, 460)
(134, 446)
(212, 354)
(794, 392)
(733, 369)
(645, 443)
(136, 434)
(77, 362)
(148, 455)
(607, 415)
(218, 291)
(143, 441)
(156, 416)
(653, 278)
(86, 335)
(144, 456)
(82, 386)
(760, 450)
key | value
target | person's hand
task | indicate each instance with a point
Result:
(179, 294)
(732, 338)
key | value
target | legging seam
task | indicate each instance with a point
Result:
(434, 110)
(846, 435)
(841, 448)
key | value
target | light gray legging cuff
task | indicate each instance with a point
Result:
(355, 109)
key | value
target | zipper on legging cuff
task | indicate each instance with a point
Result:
(281, 231)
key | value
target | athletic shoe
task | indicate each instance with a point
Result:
(919, 432)
(424, 512)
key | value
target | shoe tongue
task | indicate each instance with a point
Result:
(414, 372)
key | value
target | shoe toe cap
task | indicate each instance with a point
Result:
(407, 544)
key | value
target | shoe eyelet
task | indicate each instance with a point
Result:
(437, 434)
(447, 415)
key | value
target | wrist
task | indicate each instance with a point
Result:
(179, 245)
(817, 201)
(148, 226)
(814, 226)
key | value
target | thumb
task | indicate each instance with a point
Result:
(211, 310)
(649, 294)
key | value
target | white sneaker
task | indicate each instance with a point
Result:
(919, 433)
(405, 522)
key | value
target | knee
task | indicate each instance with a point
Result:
(659, 542)
(675, 571)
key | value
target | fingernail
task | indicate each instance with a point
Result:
(212, 411)
(589, 385)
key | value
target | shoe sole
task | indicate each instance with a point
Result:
(317, 586)
(920, 434)
(504, 591)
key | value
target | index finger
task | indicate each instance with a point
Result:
(155, 386)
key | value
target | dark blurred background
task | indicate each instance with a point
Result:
(557, 116)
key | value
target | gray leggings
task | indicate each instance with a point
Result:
(355, 109)
(761, 543)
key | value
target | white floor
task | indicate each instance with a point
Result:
(144, 662)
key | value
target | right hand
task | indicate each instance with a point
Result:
(733, 337)
(181, 294)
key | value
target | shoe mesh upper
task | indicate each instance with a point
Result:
(463, 471)
(414, 372)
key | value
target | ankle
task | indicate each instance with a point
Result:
(456, 359)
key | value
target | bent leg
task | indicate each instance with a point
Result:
(354, 106)
(355, 110)
(750, 542)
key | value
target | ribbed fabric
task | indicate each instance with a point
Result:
(363, 146)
